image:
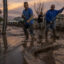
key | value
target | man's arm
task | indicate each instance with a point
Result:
(31, 15)
(47, 17)
(30, 19)
(60, 11)
(22, 16)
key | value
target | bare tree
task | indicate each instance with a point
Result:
(38, 7)
(5, 15)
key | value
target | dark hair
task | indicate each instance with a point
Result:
(25, 2)
(52, 5)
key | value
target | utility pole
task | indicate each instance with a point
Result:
(5, 15)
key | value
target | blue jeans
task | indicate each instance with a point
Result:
(50, 26)
(28, 27)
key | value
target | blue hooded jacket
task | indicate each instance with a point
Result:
(51, 15)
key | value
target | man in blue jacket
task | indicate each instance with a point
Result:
(28, 20)
(50, 20)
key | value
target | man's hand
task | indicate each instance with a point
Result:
(28, 21)
(63, 7)
(51, 22)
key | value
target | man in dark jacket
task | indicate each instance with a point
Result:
(40, 20)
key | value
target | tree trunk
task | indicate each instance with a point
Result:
(5, 15)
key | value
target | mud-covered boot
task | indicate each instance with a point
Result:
(25, 41)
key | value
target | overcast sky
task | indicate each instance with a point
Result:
(14, 6)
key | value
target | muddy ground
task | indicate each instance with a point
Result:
(53, 54)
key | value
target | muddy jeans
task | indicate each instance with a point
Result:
(26, 28)
(50, 26)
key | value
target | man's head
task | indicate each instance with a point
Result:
(52, 7)
(26, 5)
